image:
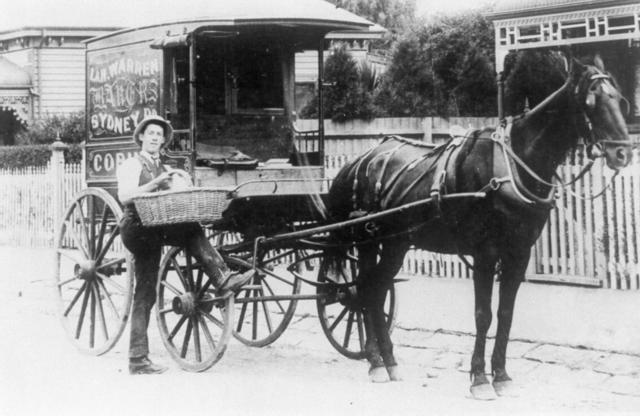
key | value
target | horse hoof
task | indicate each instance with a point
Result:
(504, 388)
(378, 375)
(394, 373)
(483, 392)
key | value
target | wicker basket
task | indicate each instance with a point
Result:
(176, 207)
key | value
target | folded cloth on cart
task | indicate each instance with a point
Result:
(221, 157)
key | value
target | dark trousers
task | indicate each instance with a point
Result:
(145, 243)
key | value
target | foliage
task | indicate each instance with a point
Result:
(350, 94)
(443, 68)
(393, 15)
(19, 157)
(531, 75)
(70, 128)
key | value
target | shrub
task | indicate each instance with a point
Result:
(70, 128)
(19, 157)
(349, 96)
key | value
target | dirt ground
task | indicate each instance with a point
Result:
(301, 374)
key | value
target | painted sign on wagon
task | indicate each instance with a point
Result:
(122, 88)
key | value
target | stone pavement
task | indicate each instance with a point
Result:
(585, 341)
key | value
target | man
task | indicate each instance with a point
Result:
(138, 175)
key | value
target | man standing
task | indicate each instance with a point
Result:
(142, 174)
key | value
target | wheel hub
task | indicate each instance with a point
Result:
(184, 304)
(86, 270)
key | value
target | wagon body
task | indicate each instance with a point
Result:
(224, 76)
(226, 82)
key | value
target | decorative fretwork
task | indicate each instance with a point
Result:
(611, 23)
(18, 105)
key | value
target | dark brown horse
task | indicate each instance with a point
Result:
(513, 166)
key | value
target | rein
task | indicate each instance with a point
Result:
(502, 137)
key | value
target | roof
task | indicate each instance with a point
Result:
(143, 13)
(507, 9)
(12, 76)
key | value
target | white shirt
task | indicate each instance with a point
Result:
(128, 176)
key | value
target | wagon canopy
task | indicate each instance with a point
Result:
(303, 20)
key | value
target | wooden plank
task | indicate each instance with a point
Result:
(590, 241)
(628, 231)
(635, 197)
(570, 225)
(567, 279)
(620, 259)
(611, 252)
(581, 254)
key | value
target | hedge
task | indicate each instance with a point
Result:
(18, 157)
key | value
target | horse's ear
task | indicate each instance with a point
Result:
(597, 61)
(576, 68)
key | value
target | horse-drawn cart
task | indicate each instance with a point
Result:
(227, 84)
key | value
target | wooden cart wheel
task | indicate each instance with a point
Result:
(195, 324)
(340, 310)
(261, 321)
(94, 274)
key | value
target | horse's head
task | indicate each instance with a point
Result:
(601, 103)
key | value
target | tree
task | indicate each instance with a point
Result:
(350, 94)
(394, 15)
(531, 75)
(444, 67)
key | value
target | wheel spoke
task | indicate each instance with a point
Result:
(360, 325)
(110, 281)
(112, 236)
(271, 292)
(65, 253)
(108, 296)
(213, 319)
(103, 321)
(171, 288)
(243, 311)
(83, 310)
(92, 318)
(267, 316)
(64, 282)
(207, 333)
(196, 338)
(178, 270)
(112, 263)
(74, 236)
(347, 331)
(185, 342)
(75, 299)
(103, 228)
(175, 330)
(338, 319)
(83, 226)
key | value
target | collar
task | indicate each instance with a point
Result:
(150, 156)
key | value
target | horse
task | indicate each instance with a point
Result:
(507, 172)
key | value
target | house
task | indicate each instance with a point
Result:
(610, 28)
(42, 71)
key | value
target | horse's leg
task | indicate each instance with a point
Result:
(513, 269)
(390, 263)
(366, 262)
(483, 286)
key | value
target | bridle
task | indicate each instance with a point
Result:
(597, 148)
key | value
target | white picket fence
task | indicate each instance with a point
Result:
(27, 206)
(585, 242)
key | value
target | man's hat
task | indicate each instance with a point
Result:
(168, 130)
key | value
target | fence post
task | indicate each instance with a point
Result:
(56, 166)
